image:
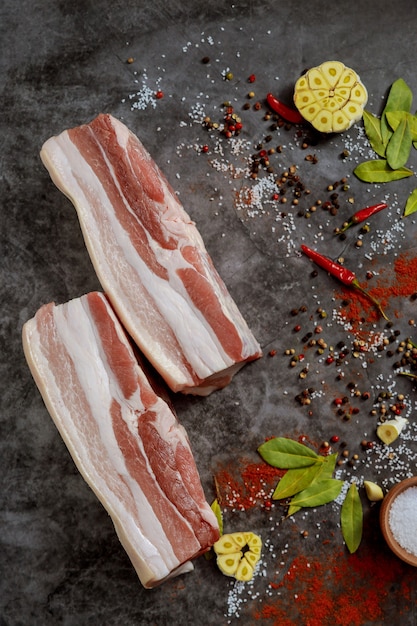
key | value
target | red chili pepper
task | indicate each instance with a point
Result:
(346, 276)
(362, 215)
(288, 113)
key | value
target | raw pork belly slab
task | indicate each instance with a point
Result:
(149, 257)
(124, 439)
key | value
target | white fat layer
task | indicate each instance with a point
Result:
(198, 342)
(152, 559)
(114, 256)
(100, 386)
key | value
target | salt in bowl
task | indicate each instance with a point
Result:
(397, 517)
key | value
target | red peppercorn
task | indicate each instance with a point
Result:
(252, 78)
(272, 352)
(334, 439)
(329, 360)
(338, 401)
(297, 328)
(205, 148)
(159, 94)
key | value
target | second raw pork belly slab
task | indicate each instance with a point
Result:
(149, 257)
(124, 439)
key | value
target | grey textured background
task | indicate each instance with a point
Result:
(62, 63)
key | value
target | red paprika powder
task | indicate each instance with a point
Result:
(401, 283)
(242, 485)
(338, 590)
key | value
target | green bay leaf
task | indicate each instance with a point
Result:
(399, 146)
(400, 98)
(318, 493)
(378, 171)
(395, 117)
(286, 453)
(215, 506)
(372, 125)
(351, 517)
(327, 468)
(295, 480)
(293, 509)
(411, 204)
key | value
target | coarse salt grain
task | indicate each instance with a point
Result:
(403, 519)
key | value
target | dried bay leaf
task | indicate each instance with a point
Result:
(400, 98)
(395, 117)
(399, 146)
(372, 125)
(378, 171)
(411, 204)
(286, 453)
(318, 493)
(351, 517)
(293, 509)
(295, 480)
(328, 467)
(215, 507)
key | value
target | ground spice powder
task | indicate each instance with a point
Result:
(245, 484)
(338, 590)
(401, 283)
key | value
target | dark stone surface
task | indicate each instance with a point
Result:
(61, 64)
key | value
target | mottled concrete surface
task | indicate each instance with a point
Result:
(61, 64)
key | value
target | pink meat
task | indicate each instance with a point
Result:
(149, 257)
(123, 437)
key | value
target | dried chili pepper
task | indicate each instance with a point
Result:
(343, 274)
(362, 215)
(286, 112)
